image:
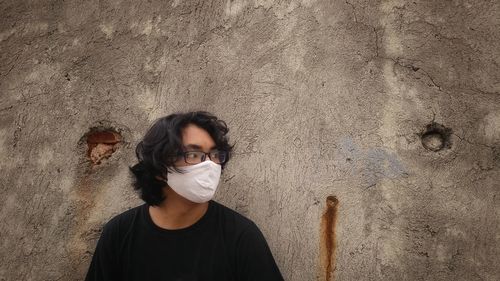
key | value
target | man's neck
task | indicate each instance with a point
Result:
(176, 212)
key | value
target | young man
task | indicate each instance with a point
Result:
(180, 233)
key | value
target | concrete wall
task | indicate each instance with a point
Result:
(390, 109)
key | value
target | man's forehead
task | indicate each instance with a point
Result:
(195, 137)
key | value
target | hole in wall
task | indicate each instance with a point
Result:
(101, 144)
(436, 137)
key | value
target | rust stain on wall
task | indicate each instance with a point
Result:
(96, 145)
(328, 243)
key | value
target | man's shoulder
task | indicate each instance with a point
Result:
(233, 219)
(121, 222)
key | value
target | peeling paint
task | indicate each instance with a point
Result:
(45, 157)
(490, 126)
(234, 8)
(7, 33)
(107, 29)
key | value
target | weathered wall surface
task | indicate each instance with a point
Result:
(323, 98)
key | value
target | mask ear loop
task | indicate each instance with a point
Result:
(164, 179)
(161, 179)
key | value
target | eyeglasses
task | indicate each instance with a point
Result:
(196, 157)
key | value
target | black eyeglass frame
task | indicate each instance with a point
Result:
(183, 154)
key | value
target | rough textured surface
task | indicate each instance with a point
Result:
(323, 98)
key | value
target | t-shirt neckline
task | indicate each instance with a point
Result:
(191, 228)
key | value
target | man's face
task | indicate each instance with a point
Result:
(195, 138)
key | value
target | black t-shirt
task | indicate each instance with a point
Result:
(222, 245)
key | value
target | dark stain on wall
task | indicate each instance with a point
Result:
(328, 239)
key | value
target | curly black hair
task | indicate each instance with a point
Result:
(158, 150)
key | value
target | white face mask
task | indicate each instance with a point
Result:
(196, 183)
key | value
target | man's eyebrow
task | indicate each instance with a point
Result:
(195, 146)
(192, 146)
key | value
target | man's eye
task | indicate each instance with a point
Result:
(192, 155)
